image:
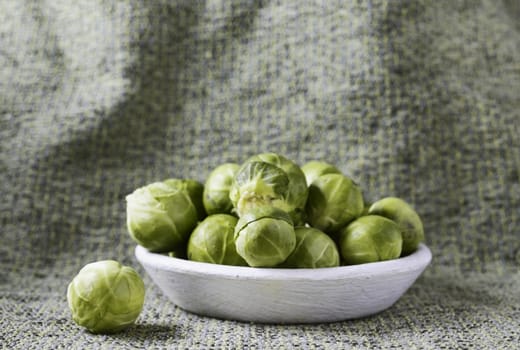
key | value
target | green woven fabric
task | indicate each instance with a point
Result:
(418, 99)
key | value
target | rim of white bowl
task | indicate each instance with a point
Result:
(416, 261)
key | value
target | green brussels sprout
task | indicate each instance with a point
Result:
(105, 296)
(160, 217)
(273, 180)
(406, 218)
(213, 241)
(314, 249)
(194, 189)
(315, 168)
(370, 238)
(216, 189)
(258, 184)
(334, 201)
(264, 236)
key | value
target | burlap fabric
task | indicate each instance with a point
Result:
(418, 99)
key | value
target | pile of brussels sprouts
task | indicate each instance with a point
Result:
(270, 212)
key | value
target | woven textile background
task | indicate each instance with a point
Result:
(418, 99)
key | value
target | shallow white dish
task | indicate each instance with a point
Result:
(273, 295)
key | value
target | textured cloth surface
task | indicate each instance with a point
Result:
(418, 99)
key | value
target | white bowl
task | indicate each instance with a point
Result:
(273, 295)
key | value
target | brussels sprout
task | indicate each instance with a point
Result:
(370, 238)
(213, 241)
(160, 217)
(105, 296)
(194, 189)
(264, 236)
(273, 180)
(258, 184)
(216, 189)
(334, 201)
(406, 218)
(316, 168)
(313, 249)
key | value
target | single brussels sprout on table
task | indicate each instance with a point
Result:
(105, 296)
(213, 241)
(273, 180)
(370, 238)
(161, 216)
(264, 236)
(315, 168)
(334, 201)
(405, 216)
(314, 249)
(216, 189)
